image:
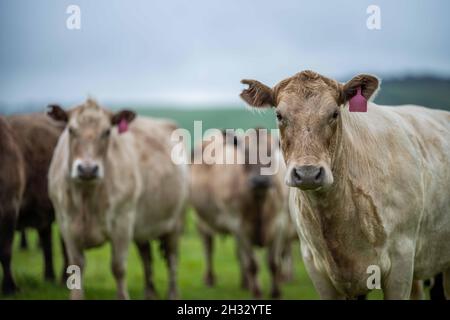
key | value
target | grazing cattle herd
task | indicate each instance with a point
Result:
(360, 191)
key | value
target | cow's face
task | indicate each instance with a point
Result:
(308, 111)
(89, 128)
(259, 149)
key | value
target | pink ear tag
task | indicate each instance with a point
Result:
(123, 126)
(358, 103)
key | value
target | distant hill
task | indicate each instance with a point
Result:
(426, 91)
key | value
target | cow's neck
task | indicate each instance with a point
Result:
(88, 198)
(348, 203)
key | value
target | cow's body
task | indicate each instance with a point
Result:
(140, 198)
(392, 190)
(12, 185)
(37, 136)
(371, 189)
(227, 204)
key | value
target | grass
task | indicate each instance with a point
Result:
(99, 282)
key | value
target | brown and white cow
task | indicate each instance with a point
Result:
(36, 136)
(12, 185)
(112, 179)
(370, 188)
(233, 197)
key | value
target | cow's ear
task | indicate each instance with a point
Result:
(369, 86)
(57, 113)
(257, 94)
(123, 115)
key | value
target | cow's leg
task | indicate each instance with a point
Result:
(23, 240)
(398, 283)
(145, 251)
(169, 244)
(64, 274)
(242, 268)
(250, 265)
(119, 245)
(45, 237)
(417, 292)
(7, 228)
(208, 244)
(287, 264)
(447, 283)
(437, 287)
(321, 281)
(274, 259)
(76, 258)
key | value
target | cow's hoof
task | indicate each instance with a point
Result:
(173, 295)
(50, 277)
(257, 294)
(76, 294)
(210, 280)
(275, 294)
(123, 296)
(244, 284)
(150, 294)
(9, 289)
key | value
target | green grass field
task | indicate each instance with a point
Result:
(99, 282)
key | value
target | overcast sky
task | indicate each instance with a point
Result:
(196, 52)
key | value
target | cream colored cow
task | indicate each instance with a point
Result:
(371, 189)
(111, 179)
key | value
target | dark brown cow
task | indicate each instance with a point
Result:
(12, 181)
(37, 136)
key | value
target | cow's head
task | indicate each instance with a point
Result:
(259, 147)
(89, 128)
(308, 110)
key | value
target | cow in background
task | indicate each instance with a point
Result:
(36, 136)
(112, 179)
(12, 185)
(235, 198)
(370, 188)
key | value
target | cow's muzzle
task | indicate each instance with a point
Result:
(87, 171)
(308, 177)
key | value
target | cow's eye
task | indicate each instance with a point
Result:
(335, 114)
(279, 117)
(106, 133)
(72, 131)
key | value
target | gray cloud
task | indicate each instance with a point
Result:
(197, 51)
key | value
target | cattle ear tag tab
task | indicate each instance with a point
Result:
(358, 103)
(123, 126)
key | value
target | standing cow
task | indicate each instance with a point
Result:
(12, 185)
(371, 189)
(37, 136)
(235, 198)
(112, 179)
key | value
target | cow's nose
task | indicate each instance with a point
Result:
(87, 171)
(308, 177)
